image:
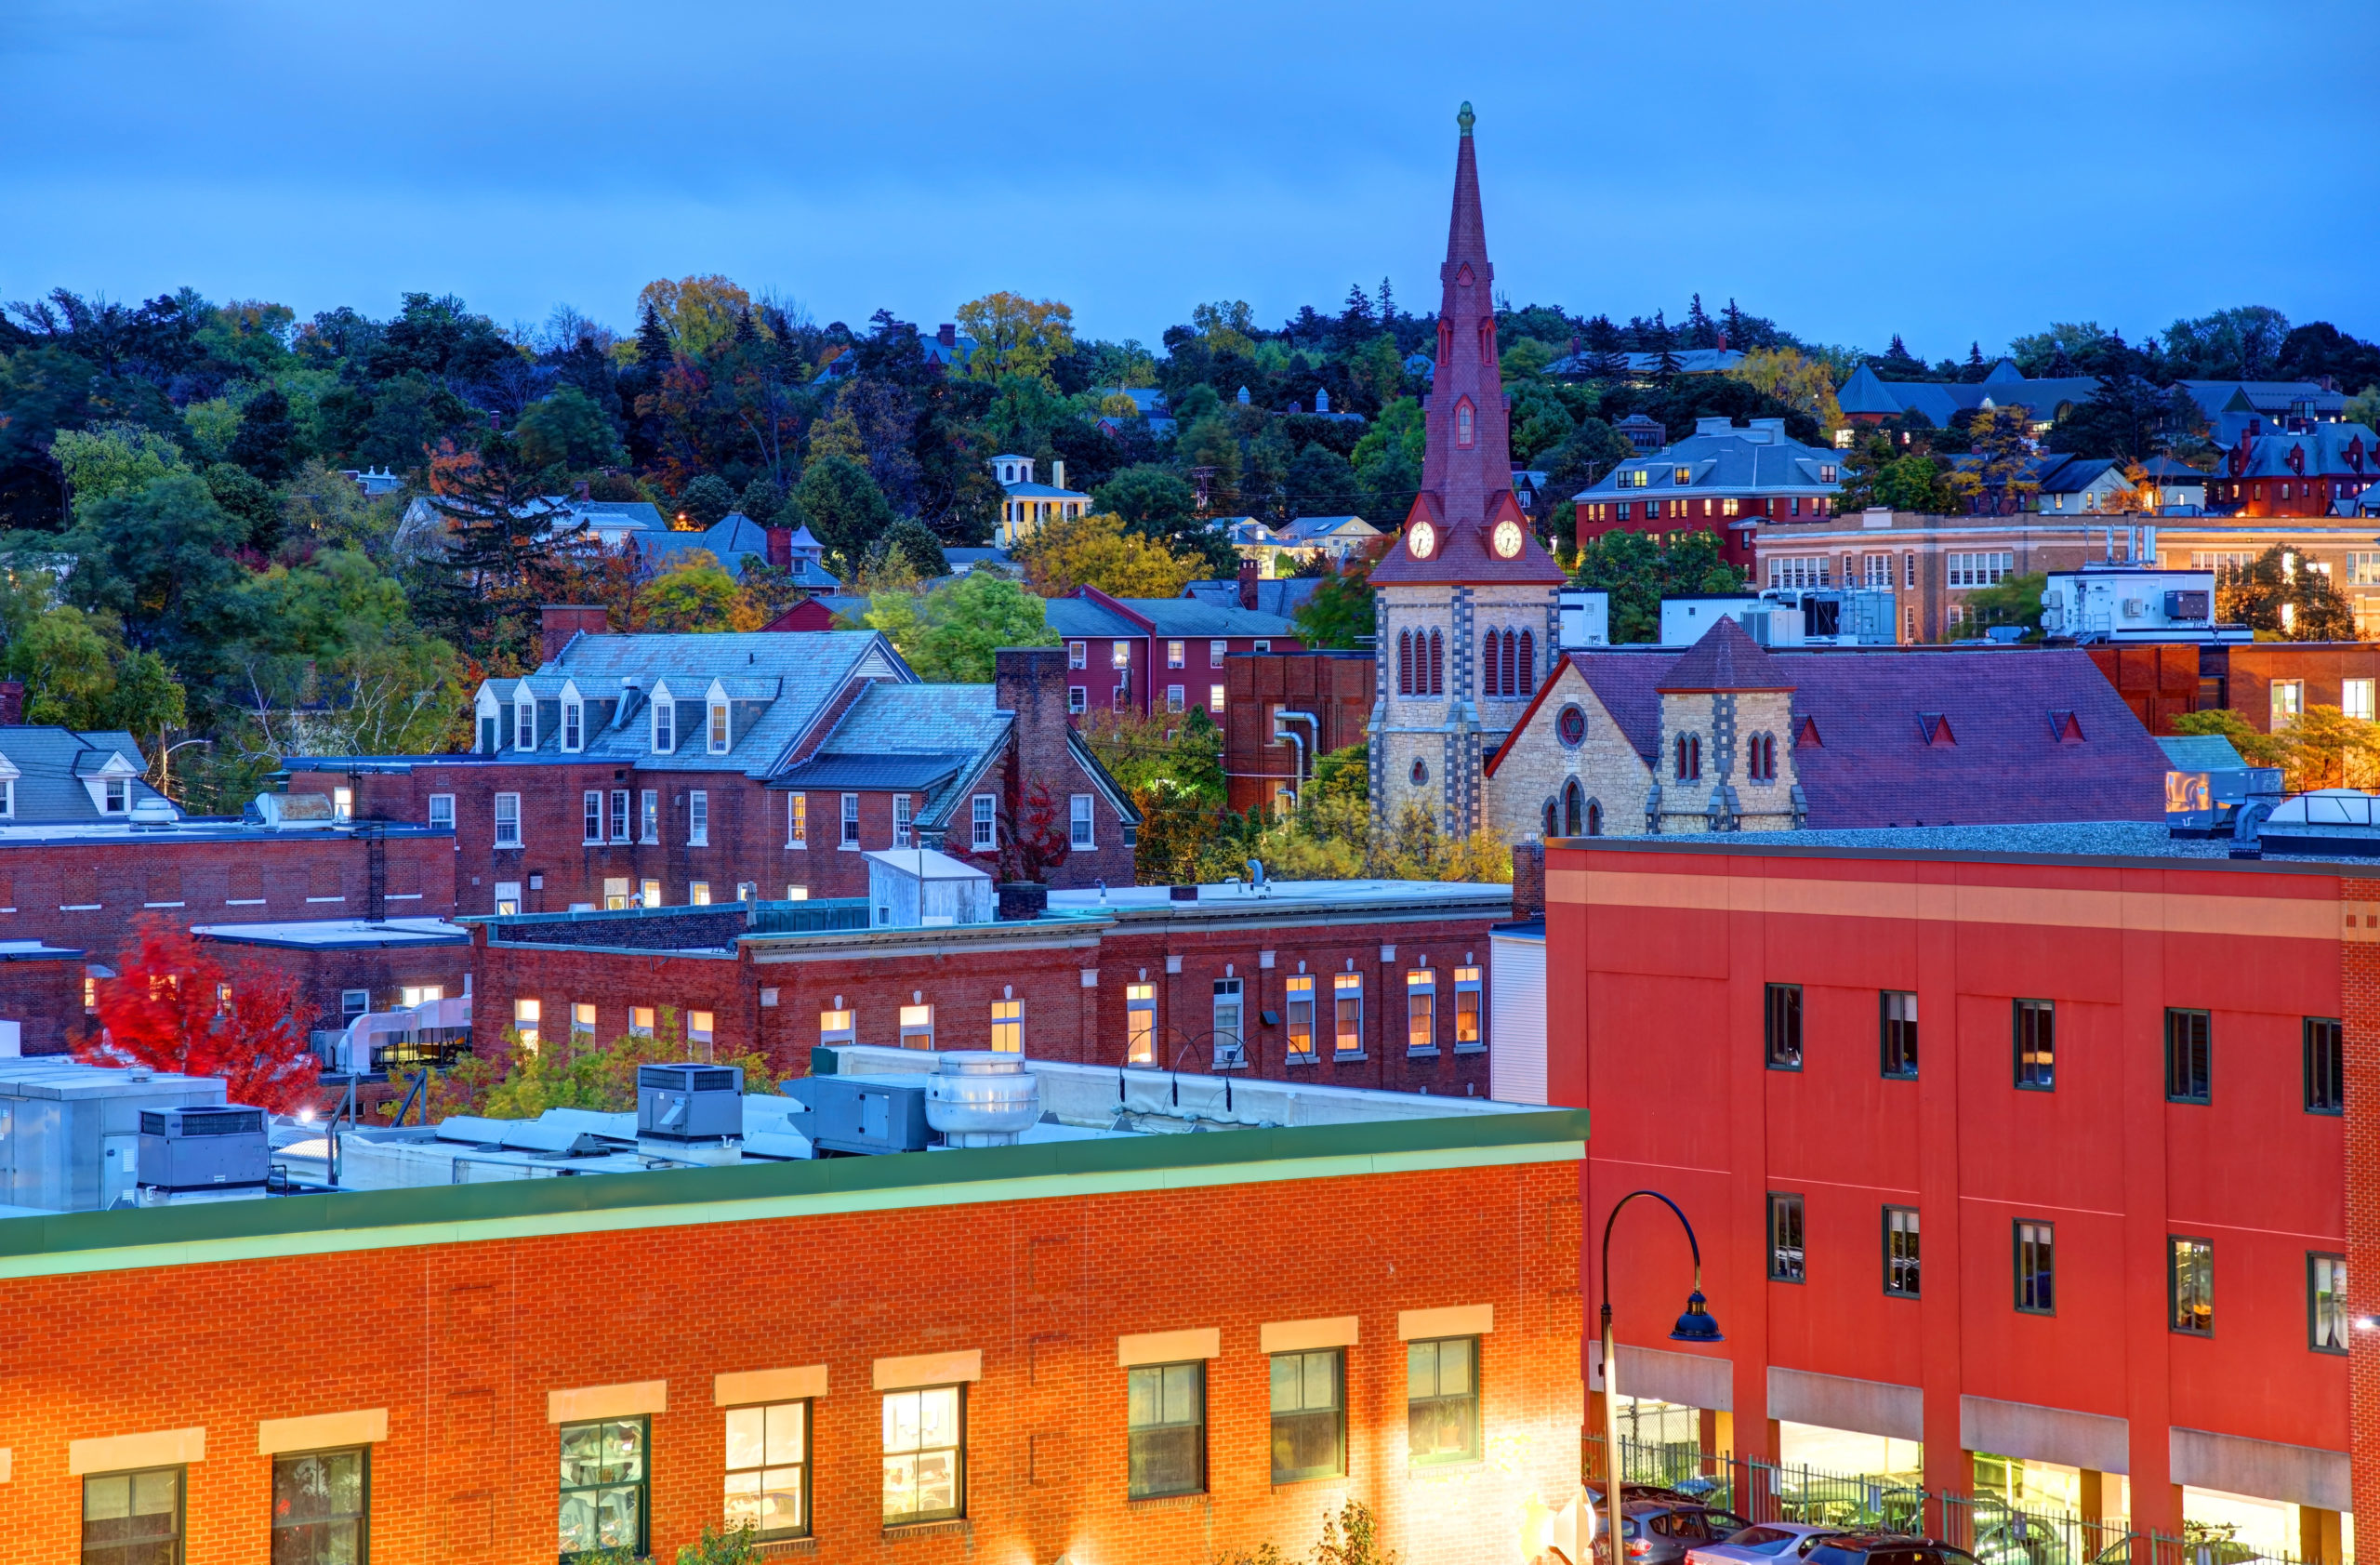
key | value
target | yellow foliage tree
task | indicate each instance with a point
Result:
(697, 311)
(1014, 334)
(696, 594)
(1095, 550)
(1795, 379)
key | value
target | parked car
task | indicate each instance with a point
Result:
(1881, 1548)
(1660, 1530)
(1765, 1542)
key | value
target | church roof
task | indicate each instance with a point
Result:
(1726, 659)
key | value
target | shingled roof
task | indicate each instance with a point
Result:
(1726, 659)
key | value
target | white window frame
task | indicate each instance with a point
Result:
(618, 830)
(847, 837)
(1214, 700)
(719, 730)
(526, 1014)
(916, 1022)
(1230, 1001)
(837, 1025)
(697, 819)
(1176, 654)
(1263, 646)
(983, 823)
(1078, 654)
(507, 813)
(1216, 653)
(582, 1018)
(592, 801)
(1298, 992)
(1007, 1026)
(697, 893)
(652, 802)
(1173, 697)
(574, 724)
(353, 1003)
(2288, 700)
(797, 820)
(2356, 699)
(1119, 654)
(616, 893)
(1466, 984)
(701, 1027)
(1140, 1024)
(901, 806)
(1422, 984)
(665, 723)
(442, 811)
(524, 721)
(648, 894)
(1344, 986)
(1078, 700)
(115, 795)
(1081, 821)
(508, 897)
(641, 1021)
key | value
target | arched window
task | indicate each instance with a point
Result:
(1405, 662)
(1437, 664)
(1552, 825)
(1510, 664)
(1527, 683)
(1690, 758)
(1574, 809)
(1594, 818)
(1445, 340)
(1487, 342)
(1491, 679)
(1462, 423)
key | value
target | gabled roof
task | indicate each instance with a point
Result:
(1307, 529)
(49, 766)
(729, 539)
(1203, 617)
(928, 738)
(1721, 460)
(1277, 595)
(1726, 659)
(2075, 474)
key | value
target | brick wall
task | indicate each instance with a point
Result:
(323, 977)
(1336, 687)
(46, 999)
(467, 1340)
(88, 893)
(2359, 995)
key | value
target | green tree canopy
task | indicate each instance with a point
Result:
(843, 505)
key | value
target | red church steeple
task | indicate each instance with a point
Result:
(1454, 532)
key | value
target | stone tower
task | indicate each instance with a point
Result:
(1464, 605)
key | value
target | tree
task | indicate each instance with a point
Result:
(1016, 336)
(1804, 384)
(159, 560)
(949, 636)
(2328, 748)
(1034, 834)
(505, 550)
(695, 593)
(568, 430)
(2000, 441)
(706, 499)
(696, 313)
(2281, 596)
(761, 499)
(1339, 614)
(1639, 570)
(113, 459)
(2012, 599)
(245, 500)
(175, 1008)
(843, 505)
(1095, 550)
(267, 444)
(331, 663)
(915, 543)
(2256, 746)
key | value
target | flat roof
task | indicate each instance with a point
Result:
(2143, 844)
(205, 830)
(1237, 898)
(339, 934)
(35, 951)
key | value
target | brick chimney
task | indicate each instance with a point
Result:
(1248, 585)
(561, 621)
(1029, 682)
(12, 703)
(946, 334)
(781, 547)
(1529, 879)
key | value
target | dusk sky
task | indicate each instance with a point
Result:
(1950, 173)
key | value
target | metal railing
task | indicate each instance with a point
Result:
(1987, 1526)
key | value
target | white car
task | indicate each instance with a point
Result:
(1766, 1543)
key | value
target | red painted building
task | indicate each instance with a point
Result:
(1284, 711)
(1158, 655)
(2110, 1087)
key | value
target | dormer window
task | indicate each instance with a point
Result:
(116, 796)
(664, 723)
(573, 722)
(1682, 475)
(524, 721)
(718, 727)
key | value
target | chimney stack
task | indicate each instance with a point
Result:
(946, 334)
(12, 703)
(781, 548)
(1529, 879)
(559, 622)
(1057, 474)
(1248, 585)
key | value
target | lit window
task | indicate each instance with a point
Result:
(699, 1027)
(604, 1489)
(768, 1470)
(2355, 699)
(318, 1509)
(1077, 653)
(797, 894)
(917, 1027)
(835, 1026)
(983, 834)
(1008, 1025)
(507, 899)
(1119, 654)
(524, 1022)
(640, 1021)
(851, 821)
(697, 893)
(797, 820)
(2288, 701)
(343, 801)
(650, 894)
(1467, 1033)
(718, 728)
(1421, 1011)
(2036, 1030)
(132, 1517)
(1165, 1429)
(1347, 993)
(508, 820)
(698, 819)
(924, 1456)
(1214, 700)
(1309, 1415)
(2326, 1303)
(1300, 992)
(1140, 1024)
(1442, 1400)
(2190, 1286)
(1462, 423)
(441, 812)
(1079, 821)
(1173, 656)
(582, 1020)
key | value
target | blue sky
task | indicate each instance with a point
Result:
(1946, 172)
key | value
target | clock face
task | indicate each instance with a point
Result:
(1421, 539)
(1507, 540)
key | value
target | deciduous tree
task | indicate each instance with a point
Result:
(176, 1008)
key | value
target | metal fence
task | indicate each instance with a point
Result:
(1989, 1527)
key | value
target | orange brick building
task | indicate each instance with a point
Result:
(434, 1350)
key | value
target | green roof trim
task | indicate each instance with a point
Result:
(284, 1226)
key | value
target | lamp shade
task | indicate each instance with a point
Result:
(1696, 1324)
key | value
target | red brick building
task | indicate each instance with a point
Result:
(1158, 654)
(1322, 701)
(660, 770)
(41, 998)
(346, 967)
(2267, 683)
(2134, 1146)
(2295, 467)
(1097, 1377)
(1346, 984)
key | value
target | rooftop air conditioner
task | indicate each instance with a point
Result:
(689, 1101)
(864, 1113)
(202, 1149)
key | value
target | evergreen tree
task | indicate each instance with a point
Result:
(653, 352)
(704, 501)
(1975, 368)
(267, 434)
(1699, 330)
(1387, 306)
(1731, 323)
(505, 554)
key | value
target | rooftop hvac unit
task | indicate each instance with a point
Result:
(202, 1149)
(689, 1101)
(864, 1113)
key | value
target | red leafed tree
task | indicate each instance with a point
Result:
(176, 1008)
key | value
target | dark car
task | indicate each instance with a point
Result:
(1881, 1548)
(1658, 1529)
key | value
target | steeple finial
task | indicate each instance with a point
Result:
(1465, 119)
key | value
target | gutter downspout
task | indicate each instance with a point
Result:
(1308, 751)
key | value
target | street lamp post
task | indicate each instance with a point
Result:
(1695, 1325)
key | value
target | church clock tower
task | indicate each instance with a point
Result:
(1465, 601)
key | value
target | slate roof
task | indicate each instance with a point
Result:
(1868, 765)
(1200, 616)
(931, 739)
(1313, 530)
(1278, 595)
(2337, 449)
(2202, 752)
(1761, 459)
(781, 685)
(731, 537)
(2269, 397)
(2006, 385)
(1690, 361)
(49, 764)
(2075, 474)
(1726, 659)
(1077, 618)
